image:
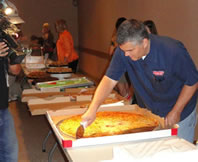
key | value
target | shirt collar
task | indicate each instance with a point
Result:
(143, 57)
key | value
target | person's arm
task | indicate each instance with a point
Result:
(67, 48)
(45, 36)
(15, 69)
(186, 94)
(113, 43)
(111, 49)
(102, 92)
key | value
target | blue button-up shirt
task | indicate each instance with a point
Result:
(159, 78)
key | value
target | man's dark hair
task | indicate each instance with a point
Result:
(133, 31)
(119, 22)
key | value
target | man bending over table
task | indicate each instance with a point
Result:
(162, 73)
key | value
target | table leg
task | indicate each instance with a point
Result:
(45, 140)
(52, 152)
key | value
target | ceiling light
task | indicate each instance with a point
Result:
(8, 11)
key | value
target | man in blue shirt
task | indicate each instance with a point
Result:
(162, 73)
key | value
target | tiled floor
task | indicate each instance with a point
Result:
(31, 131)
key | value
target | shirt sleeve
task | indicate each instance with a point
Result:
(117, 66)
(64, 47)
(67, 47)
(184, 66)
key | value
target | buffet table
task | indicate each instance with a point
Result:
(159, 149)
(40, 101)
(127, 147)
(141, 149)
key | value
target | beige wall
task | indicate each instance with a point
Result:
(37, 12)
(177, 19)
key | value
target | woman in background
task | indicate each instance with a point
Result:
(48, 40)
(123, 86)
(151, 27)
(113, 44)
(65, 45)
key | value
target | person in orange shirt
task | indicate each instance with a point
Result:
(65, 45)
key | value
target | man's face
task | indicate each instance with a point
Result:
(135, 51)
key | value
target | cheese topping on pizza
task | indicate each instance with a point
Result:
(109, 123)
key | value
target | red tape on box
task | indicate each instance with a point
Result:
(173, 131)
(66, 143)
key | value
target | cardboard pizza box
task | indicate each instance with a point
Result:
(33, 93)
(54, 117)
(70, 99)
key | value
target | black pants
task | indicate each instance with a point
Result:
(73, 65)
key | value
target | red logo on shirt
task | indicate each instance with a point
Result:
(158, 73)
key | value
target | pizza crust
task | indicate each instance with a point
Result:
(109, 123)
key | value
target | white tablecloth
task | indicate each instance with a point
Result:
(168, 149)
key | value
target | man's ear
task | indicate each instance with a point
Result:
(145, 42)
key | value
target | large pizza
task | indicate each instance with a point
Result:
(57, 63)
(59, 70)
(38, 74)
(109, 123)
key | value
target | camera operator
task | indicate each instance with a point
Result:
(8, 139)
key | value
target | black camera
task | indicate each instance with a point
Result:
(11, 44)
(5, 25)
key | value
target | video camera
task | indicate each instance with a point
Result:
(6, 31)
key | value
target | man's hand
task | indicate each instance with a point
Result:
(172, 118)
(186, 93)
(3, 49)
(102, 92)
(89, 116)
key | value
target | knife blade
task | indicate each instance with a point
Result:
(80, 130)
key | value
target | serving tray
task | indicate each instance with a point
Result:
(59, 70)
(65, 83)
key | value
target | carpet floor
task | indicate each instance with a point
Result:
(31, 131)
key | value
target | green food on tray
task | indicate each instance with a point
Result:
(62, 83)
